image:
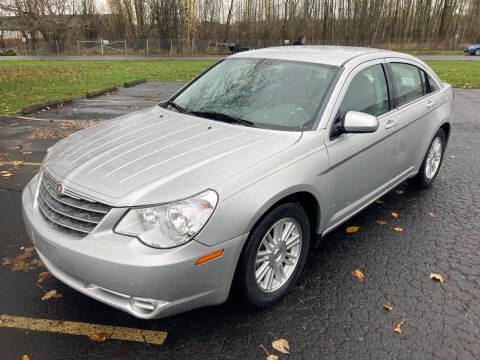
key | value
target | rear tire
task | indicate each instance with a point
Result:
(432, 162)
(477, 52)
(275, 255)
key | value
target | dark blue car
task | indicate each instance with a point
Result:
(473, 50)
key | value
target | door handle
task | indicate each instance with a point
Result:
(431, 103)
(390, 124)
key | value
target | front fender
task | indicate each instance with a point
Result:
(301, 169)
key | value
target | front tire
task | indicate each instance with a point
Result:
(275, 255)
(432, 162)
(477, 52)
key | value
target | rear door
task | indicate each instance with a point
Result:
(362, 166)
(417, 99)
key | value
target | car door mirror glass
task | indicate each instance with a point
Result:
(358, 122)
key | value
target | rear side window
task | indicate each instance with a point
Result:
(407, 82)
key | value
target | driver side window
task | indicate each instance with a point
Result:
(367, 93)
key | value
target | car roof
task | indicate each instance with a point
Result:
(322, 54)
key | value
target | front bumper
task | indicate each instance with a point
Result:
(122, 272)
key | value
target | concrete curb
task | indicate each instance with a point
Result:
(133, 83)
(89, 94)
(40, 106)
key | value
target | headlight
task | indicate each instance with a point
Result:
(169, 225)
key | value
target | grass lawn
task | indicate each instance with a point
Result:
(28, 82)
(460, 74)
(432, 52)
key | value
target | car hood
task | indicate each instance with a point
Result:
(156, 155)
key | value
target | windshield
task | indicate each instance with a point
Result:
(275, 94)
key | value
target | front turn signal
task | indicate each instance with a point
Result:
(209, 257)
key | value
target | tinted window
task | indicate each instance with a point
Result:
(366, 93)
(424, 77)
(432, 84)
(408, 85)
(276, 94)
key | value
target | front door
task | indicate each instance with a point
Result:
(362, 165)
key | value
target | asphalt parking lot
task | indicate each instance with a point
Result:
(329, 315)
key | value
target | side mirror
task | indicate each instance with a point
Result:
(358, 122)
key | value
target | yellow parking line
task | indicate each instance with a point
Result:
(80, 328)
(27, 163)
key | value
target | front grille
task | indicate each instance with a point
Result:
(67, 212)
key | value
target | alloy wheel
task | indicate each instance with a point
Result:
(278, 255)
(434, 158)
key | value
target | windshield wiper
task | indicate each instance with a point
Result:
(176, 106)
(222, 117)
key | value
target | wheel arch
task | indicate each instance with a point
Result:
(305, 198)
(446, 127)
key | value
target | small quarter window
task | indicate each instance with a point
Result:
(407, 81)
(432, 84)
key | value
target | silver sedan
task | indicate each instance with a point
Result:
(232, 179)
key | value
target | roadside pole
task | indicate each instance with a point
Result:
(101, 44)
(147, 47)
(56, 43)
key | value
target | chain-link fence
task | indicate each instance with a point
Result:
(175, 47)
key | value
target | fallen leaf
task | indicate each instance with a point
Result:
(272, 357)
(381, 222)
(6, 174)
(437, 277)
(43, 276)
(17, 147)
(98, 337)
(398, 229)
(358, 274)
(15, 165)
(397, 329)
(14, 124)
(25, 357)
(24, 261)
(394, 214)
(51, 294)
(399, 192)
(387, 307)
(431, 214)
(26, 153)
(281, 345)
(453, 156)
(380, 202)
(352, 229)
